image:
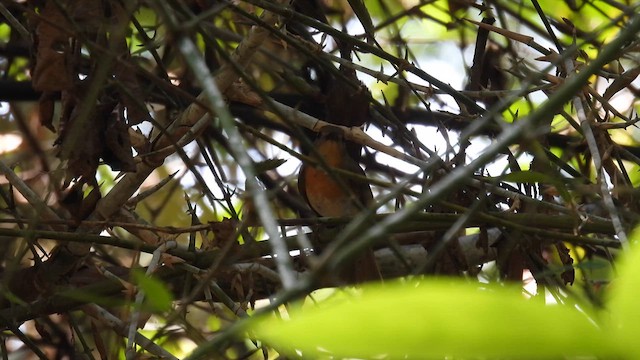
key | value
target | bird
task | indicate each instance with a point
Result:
(330, 195)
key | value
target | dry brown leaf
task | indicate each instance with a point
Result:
(117, 153)
(46, 106)
(52, 70)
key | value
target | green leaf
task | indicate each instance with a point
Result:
(435, 319)
(532, 177)
(267, 165)
(623, 305)
(157, 295)
(362, 13)
(528, 177)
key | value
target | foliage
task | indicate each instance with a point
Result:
(438, 318)
(149, 159)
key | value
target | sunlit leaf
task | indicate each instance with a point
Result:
(157, 296)
(623, 305)
(527, 177)
(5, 31)
(436, 319)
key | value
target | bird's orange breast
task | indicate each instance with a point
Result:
(325, 195)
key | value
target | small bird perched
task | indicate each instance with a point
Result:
(330, 195)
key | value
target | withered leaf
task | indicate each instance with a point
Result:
(131, 92)
(52, 70)
(568, 276)
(117, 153)
(46, 106)
(82, 141)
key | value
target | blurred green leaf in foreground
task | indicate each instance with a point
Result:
(438, 318)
